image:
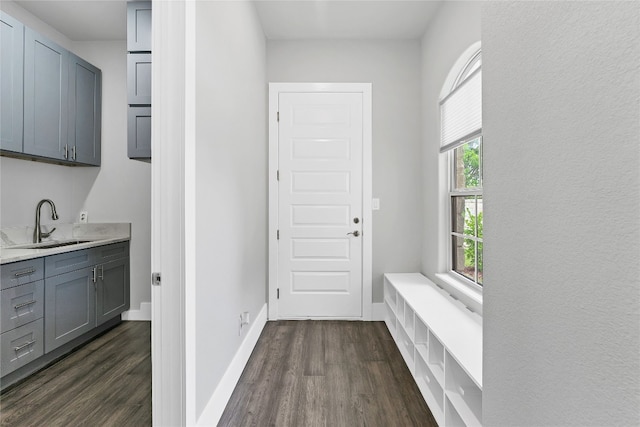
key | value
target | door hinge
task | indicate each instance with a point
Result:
(278, 175)
(155, 279)
(278, 235)
(278, 116)
(278, 293)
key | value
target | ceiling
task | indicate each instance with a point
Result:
(345, 19)
(82, 20)
(88, 20)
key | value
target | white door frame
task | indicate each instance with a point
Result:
(367, 185)
(172, 210)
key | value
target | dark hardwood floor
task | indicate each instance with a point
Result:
(326, 373)
(107, 382)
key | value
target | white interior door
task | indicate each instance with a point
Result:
(320, 205)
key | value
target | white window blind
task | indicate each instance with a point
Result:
(461, 112)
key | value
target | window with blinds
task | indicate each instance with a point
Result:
(461, 141)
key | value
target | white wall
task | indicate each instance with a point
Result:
(454, 28)
(393, 68)
(118, 191)
(562, 201)
(231, 184)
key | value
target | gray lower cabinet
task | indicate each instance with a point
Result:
(85, 111)
(46, 80)
(48, 302)
(20, 346)
(11, 84)
(70, 301)
(112, 289)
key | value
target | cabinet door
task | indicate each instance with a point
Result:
(139, 78)
(85, 108)
(139, 132)
(46, 78)
(70, 307)
(139, 26)
(112, 289)
(11, 83)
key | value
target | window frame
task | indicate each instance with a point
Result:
(451, 193)
(452, 277)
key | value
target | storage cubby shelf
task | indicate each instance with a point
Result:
(441, 342)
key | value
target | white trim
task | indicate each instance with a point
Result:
(215, 407)
(468, 292)
(143, 314)
(367, 185)
(378, 311)
(168, 142)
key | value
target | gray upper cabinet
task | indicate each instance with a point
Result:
(11, 83)
(85, 110)
(139, 26)
(46, 78)
(50, 99)
(139, 78)
(139, 132)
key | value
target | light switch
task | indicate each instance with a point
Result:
(375, 204)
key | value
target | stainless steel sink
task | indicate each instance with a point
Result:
(48, 245)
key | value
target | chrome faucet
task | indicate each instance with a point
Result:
(37, 232)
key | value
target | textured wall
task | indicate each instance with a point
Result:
(562, 202)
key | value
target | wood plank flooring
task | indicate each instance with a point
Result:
(326, 373)
(107, 382)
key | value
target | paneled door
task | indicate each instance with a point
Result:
(320, 205)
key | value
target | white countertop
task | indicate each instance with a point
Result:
(93, 235)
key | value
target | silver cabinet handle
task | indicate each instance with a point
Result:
(24, 304)
(25, 272)
(101, 272)
(20, 347)
(73, 153)
(66, 151)
(355, 233)
(93, 274)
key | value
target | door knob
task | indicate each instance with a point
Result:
(355, 233)
(356, 220)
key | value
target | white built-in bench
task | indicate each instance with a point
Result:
(441, 342)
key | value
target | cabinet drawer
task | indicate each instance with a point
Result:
(21, 346)
(21, 305)
(70, 261)
(21, 272)
(139, 78)
(112, 252)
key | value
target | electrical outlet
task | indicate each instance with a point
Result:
(245, 318)
(84, 217)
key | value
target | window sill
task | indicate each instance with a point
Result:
(457, 287)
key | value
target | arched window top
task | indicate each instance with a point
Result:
(472, 65)
(466, 64)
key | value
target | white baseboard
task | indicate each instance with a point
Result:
(144, 313)
(218, 402)
(377, 311)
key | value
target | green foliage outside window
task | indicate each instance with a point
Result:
(471, 224)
